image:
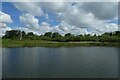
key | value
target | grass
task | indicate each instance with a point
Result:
(41, 43)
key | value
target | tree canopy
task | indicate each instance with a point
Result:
(49, 36)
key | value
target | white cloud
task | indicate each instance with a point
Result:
(33, 25)
(3, 29)
(56, 7)
(60, 1)
(64, 28)
(45, 24)
(108, 27)
(101, 10)
(5, 19)
(29, 7)
(30, 21)
(76, 18)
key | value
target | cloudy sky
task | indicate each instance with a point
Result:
(63, 17)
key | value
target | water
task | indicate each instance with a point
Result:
(78, 62)
(0, 63)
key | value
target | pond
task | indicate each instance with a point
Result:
(74, 62)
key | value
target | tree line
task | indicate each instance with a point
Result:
(49, 36)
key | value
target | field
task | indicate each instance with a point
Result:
(8, 43)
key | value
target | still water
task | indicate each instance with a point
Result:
(78, 62)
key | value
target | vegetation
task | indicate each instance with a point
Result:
(49, 39)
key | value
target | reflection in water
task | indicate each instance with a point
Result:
(79, 62)
(0, 63)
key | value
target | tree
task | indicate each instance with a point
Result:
(94, 35)
(30, 34)
(12, 34)
(68, 35)
(48, 34)
(56, 35)
(23, 33)
(117, 33)
(88, 35)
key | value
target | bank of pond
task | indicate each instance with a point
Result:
(43, 43)
(16, 38)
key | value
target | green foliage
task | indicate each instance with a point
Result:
(56, 35)
(13, 34)
(68, 35)
(49, 36)
(30, 34)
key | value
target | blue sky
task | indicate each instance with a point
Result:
(8, 8)
(53, 20)
(114, 21)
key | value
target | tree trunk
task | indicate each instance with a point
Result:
(20, 35)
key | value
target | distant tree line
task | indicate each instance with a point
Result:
(49, 36)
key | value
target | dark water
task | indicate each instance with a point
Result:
(78, 62)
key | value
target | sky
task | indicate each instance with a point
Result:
(63, 17)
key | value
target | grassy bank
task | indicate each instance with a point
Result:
(41, 43)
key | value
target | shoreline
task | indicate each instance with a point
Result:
(41, 43)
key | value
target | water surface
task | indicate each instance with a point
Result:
(78, 62)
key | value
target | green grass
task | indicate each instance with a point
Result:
(41, 43)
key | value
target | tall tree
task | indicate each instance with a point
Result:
(48, 34)
(56, 35)
(30, 34)
(68, 35)
(12, 34)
